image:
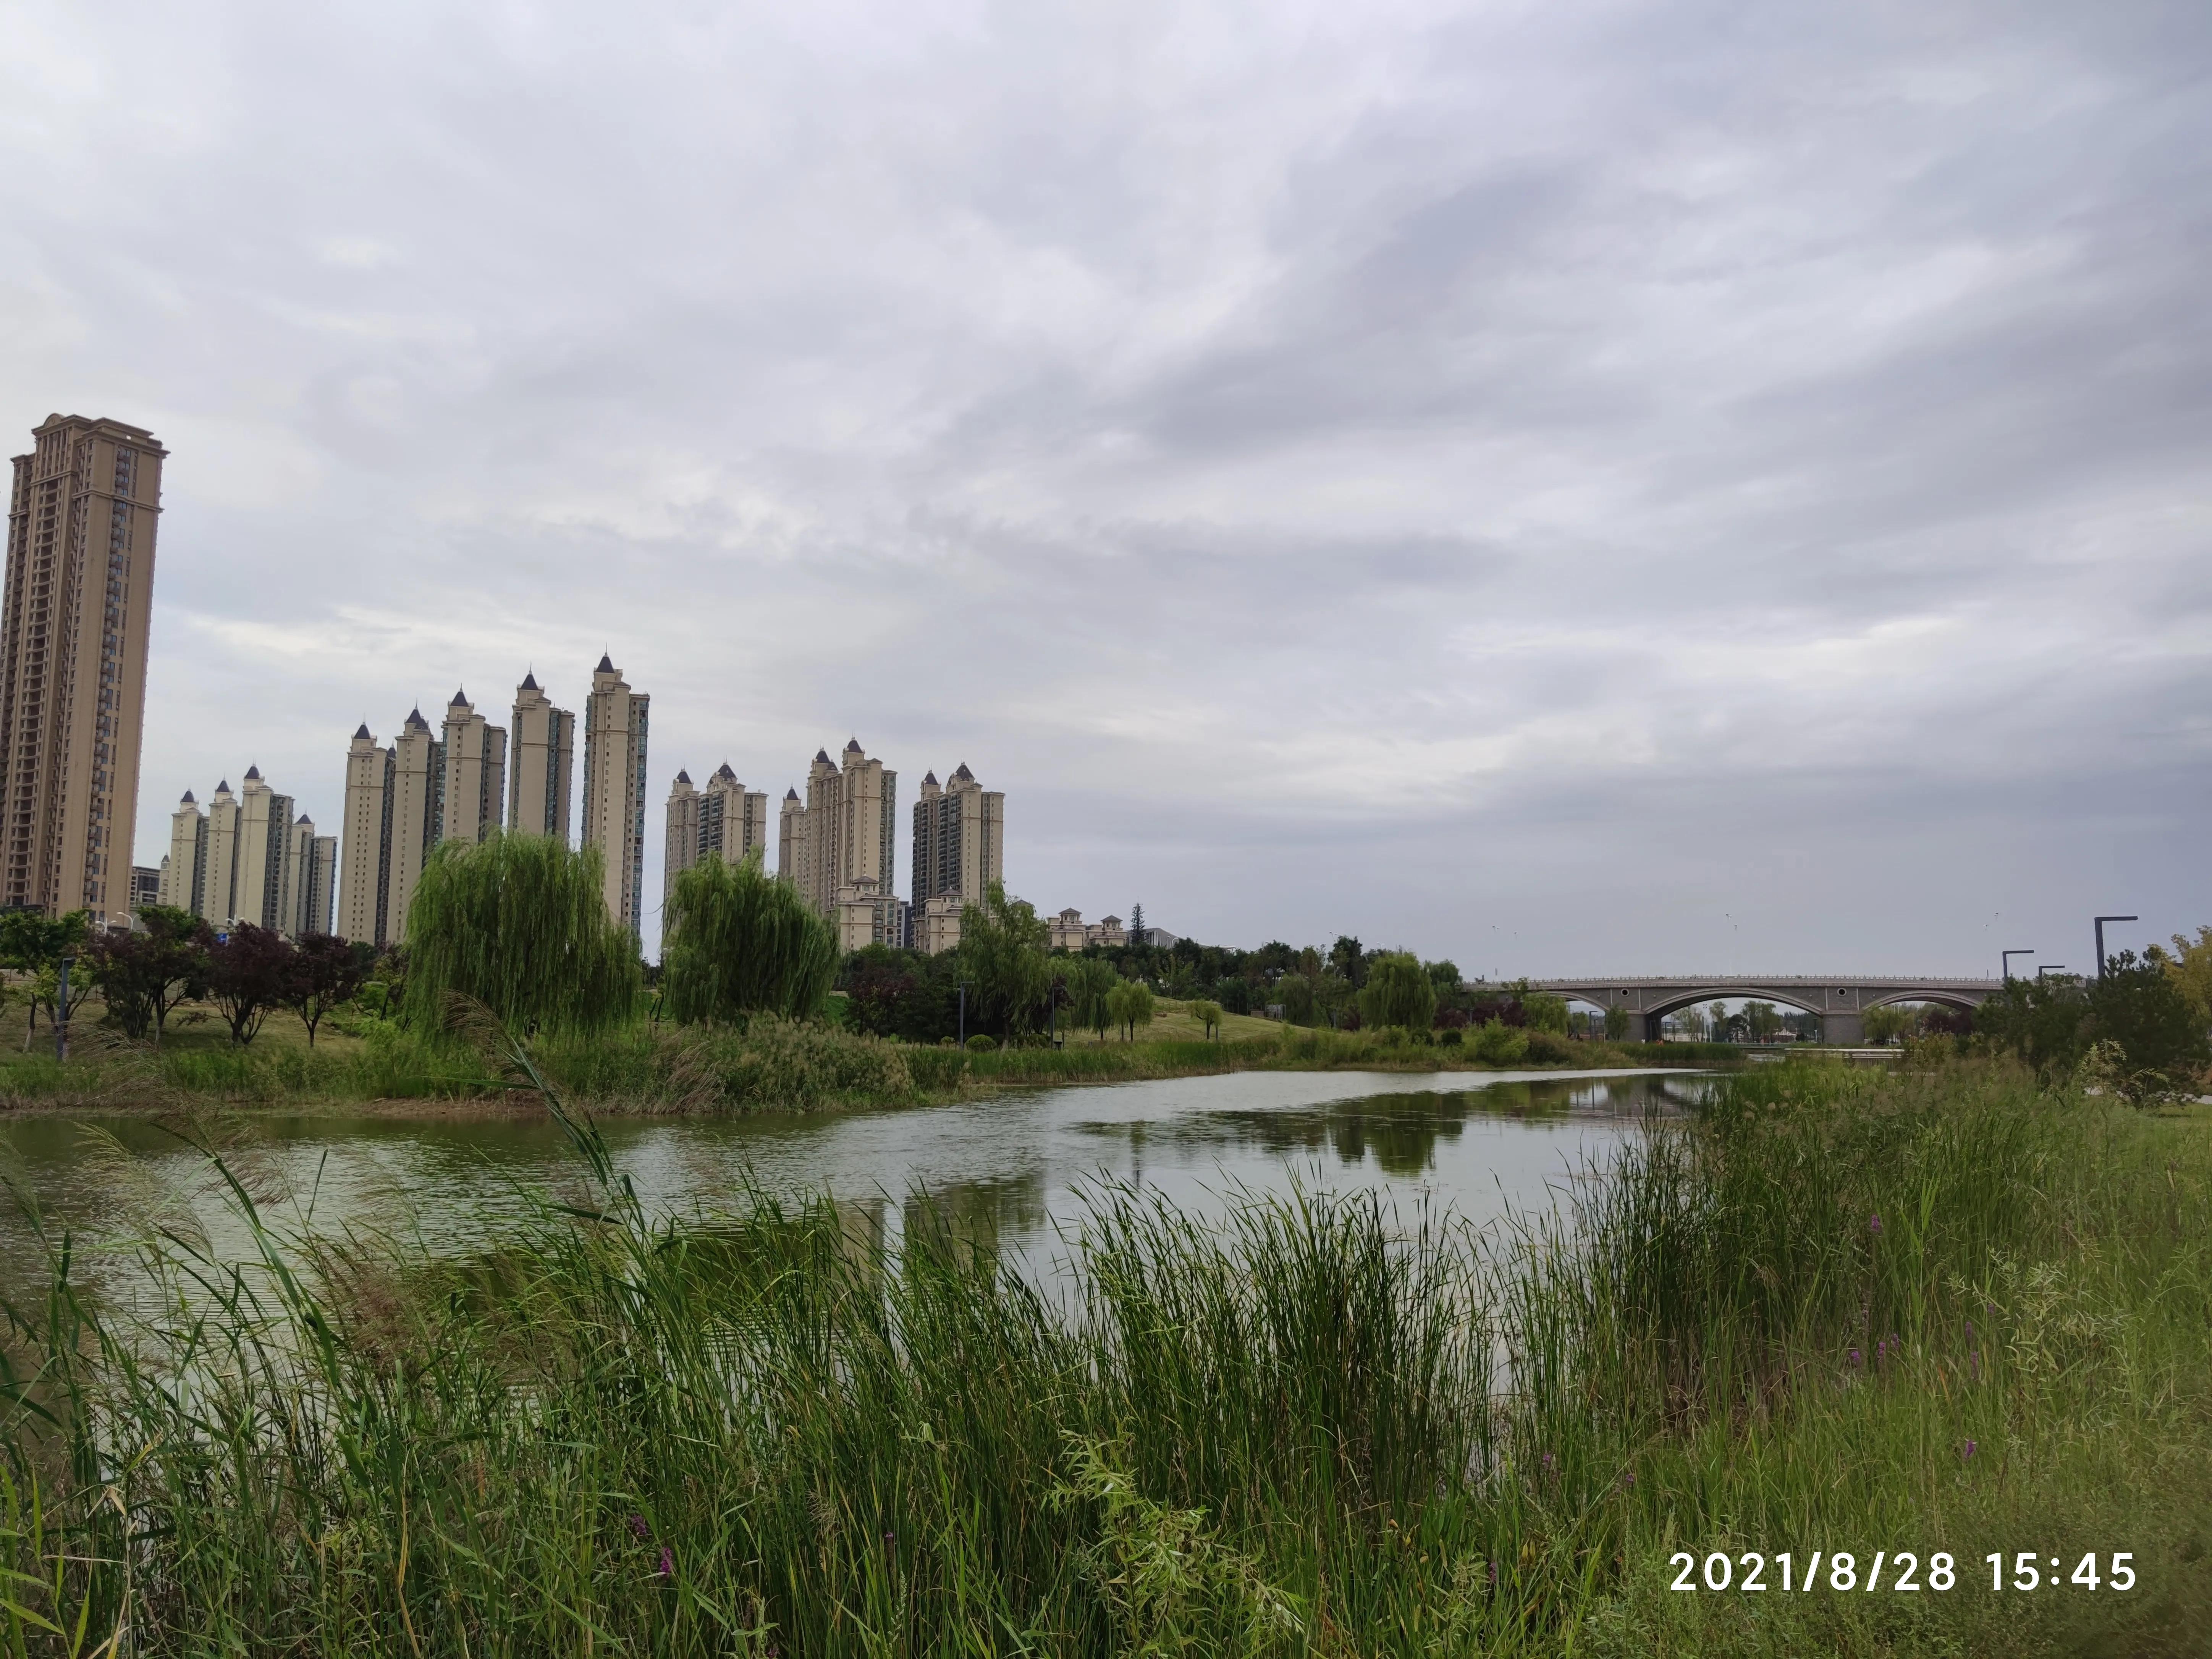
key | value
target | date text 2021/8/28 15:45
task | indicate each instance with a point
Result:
(1719, 1572)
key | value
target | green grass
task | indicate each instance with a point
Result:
(1315, 1429)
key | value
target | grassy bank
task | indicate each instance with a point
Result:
(777, 1066)
(1841, 1311)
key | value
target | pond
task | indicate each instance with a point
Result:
(1007, 1169)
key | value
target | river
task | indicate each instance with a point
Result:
(1009, 1169)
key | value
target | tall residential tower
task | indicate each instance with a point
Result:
(839, 848)
(724, 820)
(542, 759)
(959, 849)
(475, 758)
(73, 618)
(615, 730)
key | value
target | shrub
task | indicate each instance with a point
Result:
(799, 1064)
(1548, 1048)
(980, 1044)
(1500, 1044)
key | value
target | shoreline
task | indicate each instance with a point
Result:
(485, 1103)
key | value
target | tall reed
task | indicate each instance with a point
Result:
(1316, 1427)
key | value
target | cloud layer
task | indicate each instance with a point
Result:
(1629, 487)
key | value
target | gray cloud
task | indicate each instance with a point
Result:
(1645, 484)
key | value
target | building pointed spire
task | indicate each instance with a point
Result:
(529, 680)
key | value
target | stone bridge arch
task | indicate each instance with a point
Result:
(1840, 1001)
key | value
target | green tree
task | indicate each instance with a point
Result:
(2044, 1020)
(1003, 954)
(2142, 1007)
(1207, 1014)
(30, 939)
(1295, 993)
(519, 923)
(1348, 961)
(1762, 1020)
(738, 942)
(1130, 1004)
(1544, 1011)
(1888, 1023)
(1616, 1025)
(1089, 980)
(2190, 966)
(1399, 992)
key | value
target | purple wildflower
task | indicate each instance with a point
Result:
(1855, 1357)
(1970, 1331)
(1966, 1452)
(638, 1529)
(1628, 1479)
(667, 1562)
(1547, 1460)
(1874, 1225)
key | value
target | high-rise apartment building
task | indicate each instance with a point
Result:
(394, 815)
(724, 820)
(615, 731)
(960, 850)
(542, 760)
(475, 785)
(838, 848)
(264, 840)
(249, 860)
(218, 881)
(182, 870)
(73, 621)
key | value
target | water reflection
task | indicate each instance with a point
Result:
(1002, 1173)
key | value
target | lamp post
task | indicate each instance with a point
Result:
(2005, 956)
(962, 989)
(2043, 968)
(2101, 921)
(61, 1010)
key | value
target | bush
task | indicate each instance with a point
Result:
(1548, 1047)
(980, 1044)
(1499, 1044)
(796, 1063)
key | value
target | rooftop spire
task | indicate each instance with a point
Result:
(529, 680)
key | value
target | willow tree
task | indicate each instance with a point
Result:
(735, 941)
(1399, 992)
(520, 924)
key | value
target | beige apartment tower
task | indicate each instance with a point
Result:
(960, 850)
(615, 731)
(73, 620)
(475, 788)
(394, 815)
(724, 820)
(845, 830)
(542, 762)
(249, 860)
(182, 869)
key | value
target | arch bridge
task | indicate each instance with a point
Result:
(1840, 1001)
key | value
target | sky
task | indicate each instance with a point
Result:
(1603, 489)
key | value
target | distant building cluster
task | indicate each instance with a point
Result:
(467, 777)
(1069, 931)
(73, 634)
(248, 859)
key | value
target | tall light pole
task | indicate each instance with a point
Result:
(2101, 921)
(2005, 956)
(2043, 968)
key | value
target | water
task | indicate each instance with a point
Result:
(1007, 1169)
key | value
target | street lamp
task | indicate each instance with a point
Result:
(2007, 957)
(2043, 968)
(2101, 921)
(61, 1010)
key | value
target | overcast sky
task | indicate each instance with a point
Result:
(1596, 488)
